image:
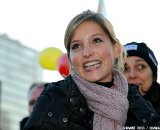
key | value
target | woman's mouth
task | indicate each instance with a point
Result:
(89, 66)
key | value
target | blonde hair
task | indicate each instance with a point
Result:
(102, 22)
(121, 59)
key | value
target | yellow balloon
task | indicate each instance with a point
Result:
(48, 58)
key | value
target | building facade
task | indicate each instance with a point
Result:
(19, 68)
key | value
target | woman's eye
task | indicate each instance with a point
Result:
(140, 67)
(75, 46)
(125, 67)
(97, 40)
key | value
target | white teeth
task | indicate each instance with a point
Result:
(91, 63)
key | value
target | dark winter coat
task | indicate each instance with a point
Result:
(141, 111)
(23, 122)
(61, 106)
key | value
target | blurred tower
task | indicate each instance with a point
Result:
(101, 8)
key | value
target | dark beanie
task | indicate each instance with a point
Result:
(143, 51)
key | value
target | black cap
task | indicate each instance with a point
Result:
(143, 51)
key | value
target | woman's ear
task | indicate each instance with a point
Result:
(70, 64)
(117, 50)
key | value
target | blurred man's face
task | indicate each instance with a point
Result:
(32, 98)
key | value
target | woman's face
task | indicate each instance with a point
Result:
(137, 71)
(92, 53)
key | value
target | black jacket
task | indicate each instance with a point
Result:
(61, 106)
(153, 95)
(23, 122)
(141, 111)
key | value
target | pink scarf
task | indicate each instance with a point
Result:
(110, 105)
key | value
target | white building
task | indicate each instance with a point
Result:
(19, 68)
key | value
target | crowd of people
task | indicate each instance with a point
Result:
(110, 86)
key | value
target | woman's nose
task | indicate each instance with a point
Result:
(87, 50)
(132, 73)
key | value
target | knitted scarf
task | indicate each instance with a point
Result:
(110, 105)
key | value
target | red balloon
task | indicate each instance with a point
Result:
(62, 65)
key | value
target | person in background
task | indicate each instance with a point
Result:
(33, 94)
(94, 95)
(141, 68)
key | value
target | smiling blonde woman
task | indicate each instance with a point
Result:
(94, 95)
